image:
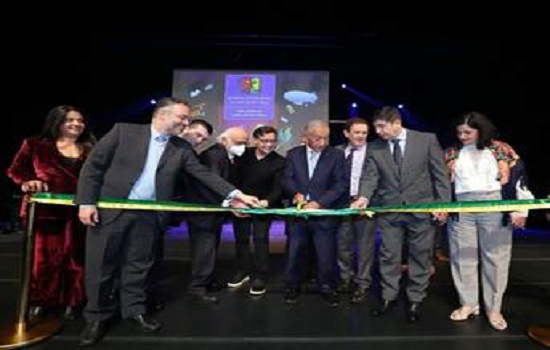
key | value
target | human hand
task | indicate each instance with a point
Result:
(88, 215)
(440, 217)
(299, 199)
(34, 186)
(312, 205)
(518, 219)
(359, 203)
(237, 204)
(249, 201)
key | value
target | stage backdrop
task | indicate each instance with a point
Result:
(286, 100)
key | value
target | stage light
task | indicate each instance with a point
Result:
(354, 105)
(344, 86)
(400, 106)
(153, 101)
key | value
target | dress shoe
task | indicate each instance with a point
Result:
(359, 296)
(92, 333)
(70, 313)
(34, 313)
(413, 312)
(330, 297)
(202, 295)
(155, 304)
(215, 286)
(291, 295)
(146, 324)
(384, 307)
(344, 286)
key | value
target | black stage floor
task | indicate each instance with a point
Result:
(240, 321)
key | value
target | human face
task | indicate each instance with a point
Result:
(357, 134)
(388, 130)
(171, 120)
(73, 126)
(317, 138)
(238, 138)
(266, 143)
(196, 135)
(467, 135)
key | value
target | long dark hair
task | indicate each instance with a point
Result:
(487, 131)
(57, 116)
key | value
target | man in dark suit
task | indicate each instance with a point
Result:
(355, 237)
(314, 177)
(134, 162)
(404, 167)
(205, 228)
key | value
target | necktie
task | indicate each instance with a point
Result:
(312, 163)
(397, 154)
(161, 138)
(349, 158)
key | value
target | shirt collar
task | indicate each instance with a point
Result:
(155, 135)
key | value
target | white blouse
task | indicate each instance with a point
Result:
(476, 171)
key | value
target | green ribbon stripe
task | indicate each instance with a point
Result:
(450, 207)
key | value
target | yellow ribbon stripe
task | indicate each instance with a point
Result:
(450, 207)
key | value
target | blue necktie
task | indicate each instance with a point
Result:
(161, 138)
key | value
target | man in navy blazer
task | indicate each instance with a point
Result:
(134, 162)
(314, 177)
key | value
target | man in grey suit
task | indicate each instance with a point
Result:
(355, 237)
(404, 167)
(134, 162)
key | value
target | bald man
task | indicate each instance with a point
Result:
(205, 228)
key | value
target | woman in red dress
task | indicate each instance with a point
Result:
(51, 162)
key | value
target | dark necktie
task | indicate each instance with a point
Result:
(349, 158)
(397, 154)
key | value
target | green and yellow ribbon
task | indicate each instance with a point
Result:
(449, 207)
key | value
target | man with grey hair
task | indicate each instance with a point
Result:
(314, 177)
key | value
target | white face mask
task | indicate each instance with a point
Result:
(237, 150)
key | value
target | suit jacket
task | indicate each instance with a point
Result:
(39, 159)
(117, 160)
(214, 158)
(423, 177)
(329, 185)
(343, 147)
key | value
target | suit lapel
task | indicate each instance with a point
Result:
(388, 158)
(169, 150)
(409, 153)
(304, 172)
(142, 145)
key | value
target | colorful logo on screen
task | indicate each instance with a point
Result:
(251, 85)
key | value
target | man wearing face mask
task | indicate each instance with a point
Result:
(205, 228)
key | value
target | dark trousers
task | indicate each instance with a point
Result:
(356, 249)
(323, 233)
(123, 249)
(204, 236)
(254, 262)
